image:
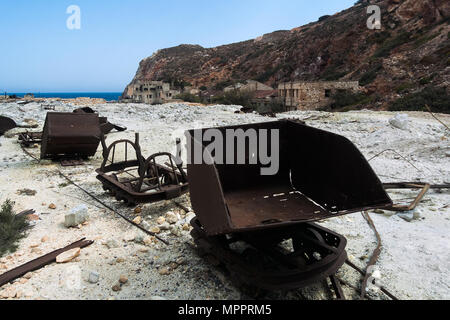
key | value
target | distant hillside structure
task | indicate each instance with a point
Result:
(151, 92)
(311, 95)
(249, 85)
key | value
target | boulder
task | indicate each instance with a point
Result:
(76, 216)
(400, 121)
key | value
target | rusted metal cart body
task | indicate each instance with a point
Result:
(135, 179)
(70, 135)
(321, 175)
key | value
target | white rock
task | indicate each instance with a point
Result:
(76, 216)
(165, 226)
(93, 277)
(376, 274)
(157, 298)
(171, 217)
(68, 255)
(400, 121)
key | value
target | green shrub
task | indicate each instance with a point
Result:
(404, 87)
(348, 98)
(436, 98)
(203, 88)
(274, 106)
(426, 80)
(187, 97)
(379, 37)
(234, 97)
(390, 45)
(223, 84)
(371, 74)
(12, 228)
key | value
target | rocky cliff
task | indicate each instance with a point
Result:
(409, 52)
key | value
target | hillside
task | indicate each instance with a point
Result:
(409, 53)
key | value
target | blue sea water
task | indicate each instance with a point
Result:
(108, 96)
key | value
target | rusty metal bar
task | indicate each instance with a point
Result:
(384, 290)
(113, 210)
(337, 288)
(40, 262)
(401, 208)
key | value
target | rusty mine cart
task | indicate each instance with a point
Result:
(135, 179)
(261, 228)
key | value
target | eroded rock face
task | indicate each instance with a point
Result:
(431, 11)
(414, 33)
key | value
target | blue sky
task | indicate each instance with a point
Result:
(39, 53)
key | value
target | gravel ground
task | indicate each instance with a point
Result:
(414, 263)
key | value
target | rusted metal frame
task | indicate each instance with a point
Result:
(376, 253)
(384, 290)
(28, 138)
(40, 262)
(402, 208)
(26, 213)
(413, 185)
(148, 166)
(132, 190)
(102, 203)
(294, 278)
(157, 173)
(173, 170)
(348, 284)
(337, 288)
(394, 151)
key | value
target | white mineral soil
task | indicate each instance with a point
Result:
(415, 258)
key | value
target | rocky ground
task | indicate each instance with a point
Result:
(414, 263)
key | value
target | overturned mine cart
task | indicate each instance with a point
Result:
(261, 226)
(70, 135)
(131, 178)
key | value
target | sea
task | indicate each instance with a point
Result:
(108, 96)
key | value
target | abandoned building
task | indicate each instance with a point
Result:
(311, 95)
(264, 98)
(151, 92)
(249, 85)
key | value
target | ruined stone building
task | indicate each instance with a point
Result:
(312, 95)
(151, 92)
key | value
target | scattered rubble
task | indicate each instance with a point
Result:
(368, 130)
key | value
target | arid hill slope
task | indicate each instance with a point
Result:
(410, 52)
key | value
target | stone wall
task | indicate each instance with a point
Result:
(312, 95)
